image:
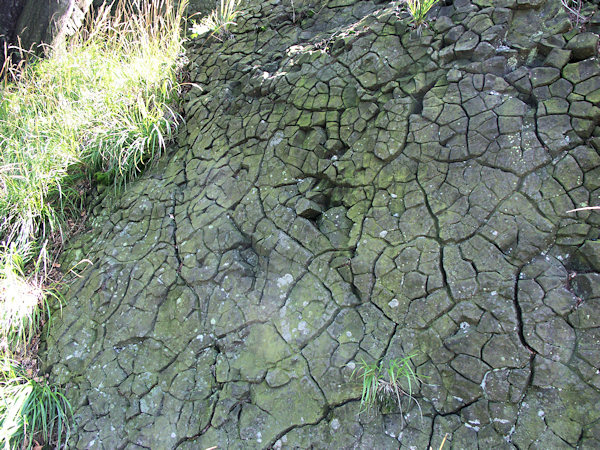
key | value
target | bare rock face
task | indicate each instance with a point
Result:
(346, 189)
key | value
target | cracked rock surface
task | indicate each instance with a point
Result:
(347, 190)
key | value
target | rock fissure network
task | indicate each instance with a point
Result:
(345, 190)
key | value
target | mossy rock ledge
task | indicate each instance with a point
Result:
(346, 189)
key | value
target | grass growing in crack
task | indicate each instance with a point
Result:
(418, 10)
(30, 409)
(219, 20)
(97, 110)
(387, 385)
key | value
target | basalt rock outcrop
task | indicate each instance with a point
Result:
(347, 189)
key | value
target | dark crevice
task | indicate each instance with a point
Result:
(438, 239)
(419, 97)
(519, 316)
(457, 410)
(431, 431)
(389, 342)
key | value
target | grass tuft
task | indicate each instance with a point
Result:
(219, 20)
(30, 409)
(99, 110)
(387, 386)
(24, 303)
(418, 10)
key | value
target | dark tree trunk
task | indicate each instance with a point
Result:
(10, 10)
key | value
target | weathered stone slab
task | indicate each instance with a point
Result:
(348, 190)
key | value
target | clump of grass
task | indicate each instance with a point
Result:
(97, 110)
(31, 409)
(387, 385)
(219, 20)
(24, 304)
(418, 10)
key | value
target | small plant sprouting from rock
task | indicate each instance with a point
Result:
(218, 21)
(418, 10)
(387, 385)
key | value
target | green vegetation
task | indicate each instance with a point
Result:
(24, 304)
(387, 385)
(218, 21)
(98, 110)
(30, 410)
(418, 10)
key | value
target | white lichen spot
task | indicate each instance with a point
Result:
(285, 280)
(351, 365)
(276, 140)
(349, 334)
(475, 428)
(335, 424)
(383, 234)
(393, 303)
(501, 420)
(213, 321)
(484, 381)
(285, 331)
(464, 326)
(541, 413)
